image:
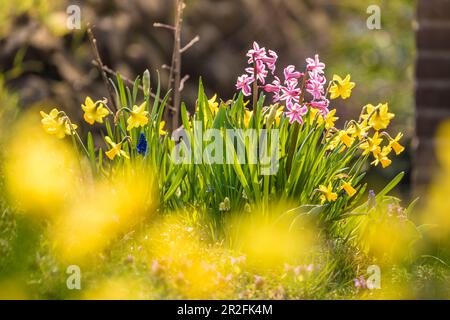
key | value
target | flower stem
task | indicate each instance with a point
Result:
(294, 139)
(255, 86)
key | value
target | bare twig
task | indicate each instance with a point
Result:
(177, 62)
(129, 81)
(100, 67)
(175, 81)
(185, 78)
(164, 26)
(190, 44)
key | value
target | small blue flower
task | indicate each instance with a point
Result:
(142, 144)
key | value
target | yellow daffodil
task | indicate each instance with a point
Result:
(345, 138)
(359, 130)
(56, 125)
(213, 105)
(162, 132)
(378, 116)
(312, 116)
(382, 157)
(278, 115)
(247, 116)
(349, 189)
(116, 149)
(341, 87)
(396, 146)
(330, 119)
(138, 117)
(341, 137)
(274, 114)
(327, 193)
(93, 111)
(333, 143)
(371, 145)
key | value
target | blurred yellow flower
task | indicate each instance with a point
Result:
(341, 87)
(387, 238)
(93, 111)
(13, 289)
(121, 288)
(138, 117)
(396, 146)
(116, 149)
(175, 251)
(371, 145)
(349, 189)
(378, 117)
(327, 193)
(38, 172)
(109, 207)
(268, 243)
(56, 125)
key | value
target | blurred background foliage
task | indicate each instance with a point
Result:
(56, 63)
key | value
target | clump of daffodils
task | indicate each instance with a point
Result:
(57, 123)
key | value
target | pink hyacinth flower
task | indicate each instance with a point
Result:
(316, 89)
(243, 83)
(295, 112)
(321, 105)
(256, 53)
(270, 60)
(317, 77)
(290, 75)
(290, 93)
(315, 65)
(261, 72)
(275, 86)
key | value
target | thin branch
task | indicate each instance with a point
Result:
(130, 82)
(175, 81)
(177, 63)
(98, 59)
(164, 26)
(190, 44)
(182, 82)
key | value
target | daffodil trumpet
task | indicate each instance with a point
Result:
(394, 142)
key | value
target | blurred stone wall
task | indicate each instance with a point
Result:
(432, 85)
